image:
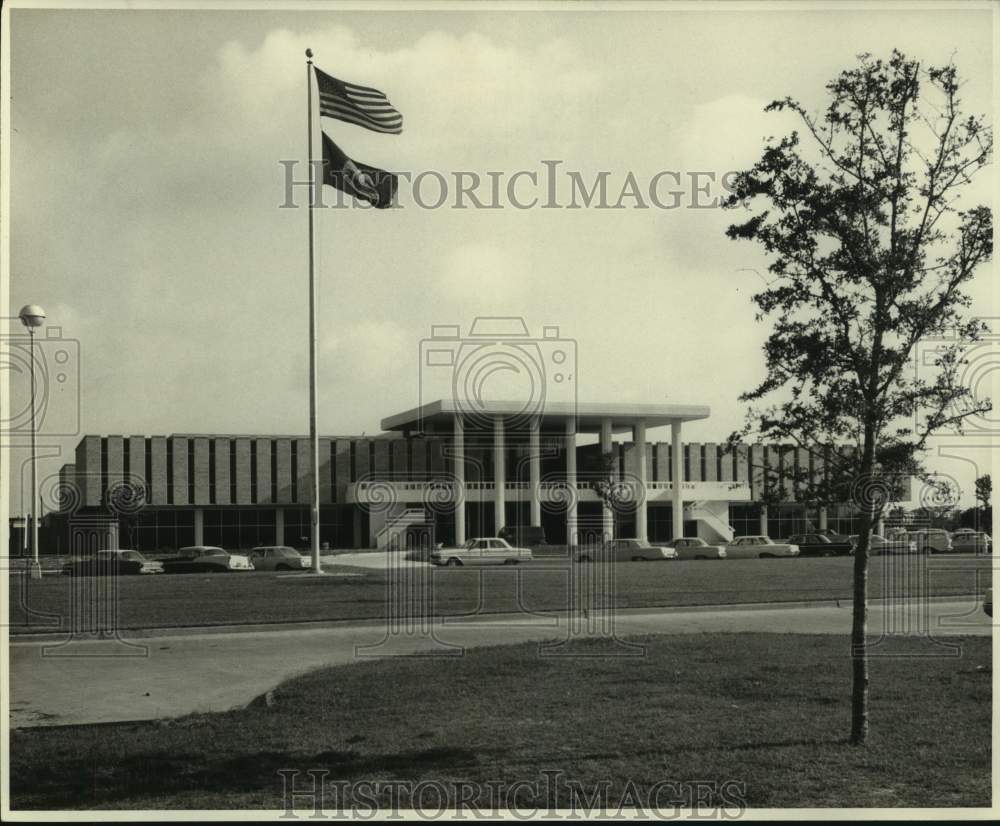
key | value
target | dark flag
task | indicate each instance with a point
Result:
(360, 105)
(374, 186)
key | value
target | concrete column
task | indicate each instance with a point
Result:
(639, 438)
(535, 470)
(199, 526)
(499, 476)
(459, 448)
(763, 520)
(571, 521)
(279, 526)
(822, 519)
(677, 474)
(607, 445)
(356, 528)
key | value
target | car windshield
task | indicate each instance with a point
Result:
(287, 552)
(470, 544)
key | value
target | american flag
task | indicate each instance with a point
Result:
(361, 105)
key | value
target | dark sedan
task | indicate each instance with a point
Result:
(203, 559)
(117, 562)
(816, 544)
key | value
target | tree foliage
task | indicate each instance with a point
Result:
(984, 490)
(869, 253)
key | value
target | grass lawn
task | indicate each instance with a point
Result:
(767, 713)
(165, 601)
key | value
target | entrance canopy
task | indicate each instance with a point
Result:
(439, 415)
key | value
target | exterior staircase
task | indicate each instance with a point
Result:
(393, 535)
(712, 526)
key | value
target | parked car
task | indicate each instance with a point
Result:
(490, 550)
(968, 541)
(759, 547)
(206, 559)
(119, 562)
(625, 550)
(524, 536)
(833, 535)
(277, 558)
(898, 544)
(933, 541)
(693, 547)
(816, 544)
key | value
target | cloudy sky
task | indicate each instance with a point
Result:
(146, 188)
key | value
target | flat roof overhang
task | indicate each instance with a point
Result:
(588, 415)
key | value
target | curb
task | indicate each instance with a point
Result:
(448, 619)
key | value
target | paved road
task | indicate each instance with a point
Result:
(176, 673)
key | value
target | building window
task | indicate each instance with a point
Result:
(148, 467)
(295, 470)
(332, 457)
(253, 471)
(274, 471)
(190, 479)
(161, 531)
(170, 471)
(232, 471)
(104, 467)
(785, 520)
(211, 471)
(745, 518)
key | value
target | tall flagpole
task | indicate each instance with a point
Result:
(313, 439)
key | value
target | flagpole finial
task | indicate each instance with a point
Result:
(309, 53)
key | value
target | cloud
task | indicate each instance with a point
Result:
(477, 274)
(729, 133)
(369, 350)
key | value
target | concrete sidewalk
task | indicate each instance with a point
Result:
(148, 677)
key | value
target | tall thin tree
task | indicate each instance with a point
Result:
(870, 255)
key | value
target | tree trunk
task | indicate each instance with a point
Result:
(868, 493)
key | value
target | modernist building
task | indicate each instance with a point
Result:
(438, 473)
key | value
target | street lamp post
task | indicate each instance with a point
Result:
(33, 316)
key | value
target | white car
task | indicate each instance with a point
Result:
(278, 558)
(899, 544)
(626, 550)
(488, 550)
(967, 540)
(759, 547)
(693, 547)
(933, 541)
